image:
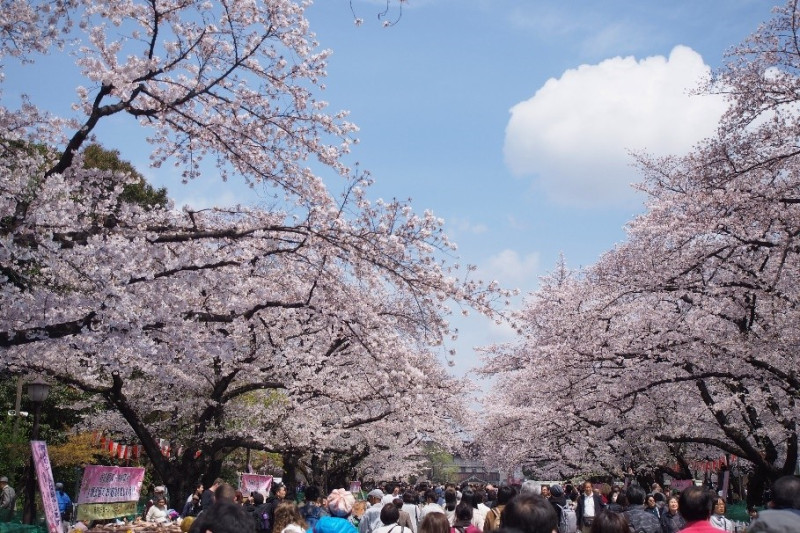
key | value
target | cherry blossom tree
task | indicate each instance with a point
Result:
(312, 327)
(681, 343)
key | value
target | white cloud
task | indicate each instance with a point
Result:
(459, 226)
(511, 269)
(576, 132)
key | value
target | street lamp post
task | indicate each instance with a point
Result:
(38, 389)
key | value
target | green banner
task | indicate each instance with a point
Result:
(105, 511)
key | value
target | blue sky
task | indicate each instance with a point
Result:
(510, 119)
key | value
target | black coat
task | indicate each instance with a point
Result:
(598, 506)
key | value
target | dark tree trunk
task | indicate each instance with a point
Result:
(756, 485)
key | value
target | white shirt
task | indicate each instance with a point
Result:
(392, 528)
(588, 505)
(413, 512)
(430, 508)
(721, 523)
(154, 514)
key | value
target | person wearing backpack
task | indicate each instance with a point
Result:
(567, 519)
(504, 495)
(260, 513)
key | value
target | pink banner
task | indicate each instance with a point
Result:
(110, 484)
(47, 488)
(680, 484)
(255, 483)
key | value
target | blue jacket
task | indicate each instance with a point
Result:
(64, 501)
(332, 524)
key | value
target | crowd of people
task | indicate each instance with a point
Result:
(396, 508)
(529, 508)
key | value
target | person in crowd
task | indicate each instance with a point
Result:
(250, 502)
(359, 508)
(783, 514)
(64, 503)
(491, 495)
(341, 504)
(371, 519)
(474, 499)
(410, 506)
(482, 497)
(463, 522)
(718, 519)
(450, 502)
(588, 506)
(545, 491)
(8, 499)
(192, 507)
(209, 495)
(313, 509)
(695, 505)
(434, 522)
(389, 517)
(752, 512)
(558, 500)
(238, 497)
(405, 519)
(504, 495)
(651, 507)
(255, 510)
(661, 502)
(278, 495)
(530, 487)
(640, 519)
(198, 489)
(430, 504)
(619, 504)
(158, 513)
(610, 522)
(160, 491)
(288, 519)
(529, 513)
(671, 520)
(222, 517)
(226, 492)
(612, 497)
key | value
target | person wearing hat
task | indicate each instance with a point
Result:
(340, 505)
(8, 500)
(371, 519)
(64, 504)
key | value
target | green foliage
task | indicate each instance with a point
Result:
(141, 192)
(57, 417)
(441, 463)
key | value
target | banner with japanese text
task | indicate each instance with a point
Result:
(255, 483)
(105, 511)
(110, 484)
(47, 488)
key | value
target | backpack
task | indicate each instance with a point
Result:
(261, 518)
(568, 523)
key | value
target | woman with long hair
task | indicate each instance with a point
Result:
(288, 519)
(434, 523)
